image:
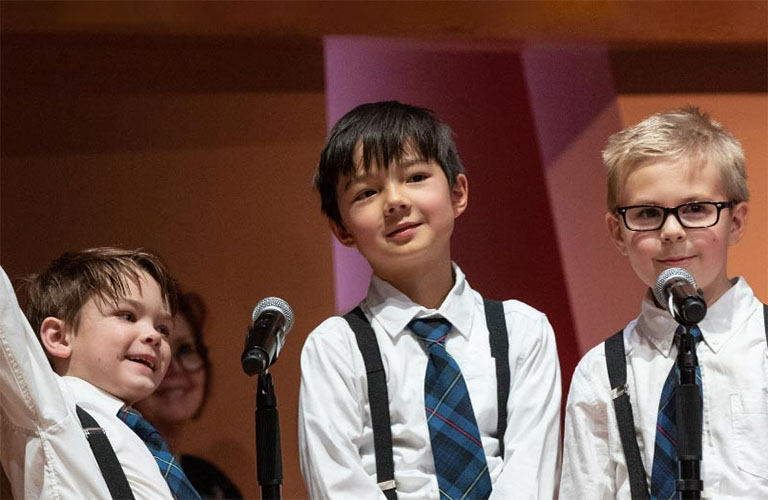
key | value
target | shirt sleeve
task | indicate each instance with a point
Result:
(588, 471)
(331, 409)
(32, 399)
(532, 439)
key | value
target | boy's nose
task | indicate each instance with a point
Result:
(151, 336)
(672, 230)
(395, 201)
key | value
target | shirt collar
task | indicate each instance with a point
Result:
(393, 310)
(91, 396)
(723, 318)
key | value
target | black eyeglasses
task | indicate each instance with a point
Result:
(693, 215)
(191, 358)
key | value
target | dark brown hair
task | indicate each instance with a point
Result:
(72, 279)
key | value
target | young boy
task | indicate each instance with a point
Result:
(677, 198)
(103, 316)
(392, 185)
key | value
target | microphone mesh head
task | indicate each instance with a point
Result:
(278, 304)
(665, 276)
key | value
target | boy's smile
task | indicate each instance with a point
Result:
(703, 252)
(123, 348)
(400, 216)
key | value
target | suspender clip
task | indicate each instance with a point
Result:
(93, 430)
(619, 391)
(388, 485)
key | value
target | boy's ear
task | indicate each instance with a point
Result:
(460, 195)
(738, 222)
(56, 337)
(344, 236)
(613, 224)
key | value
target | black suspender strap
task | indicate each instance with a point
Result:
(765, 317)
(499, 339)
(105, 457)
(617, 374)
(378, 400)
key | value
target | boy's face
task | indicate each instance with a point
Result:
(402, 216)
(123, 349)
(703, 252)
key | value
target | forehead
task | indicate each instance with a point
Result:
(662, 180)
(182, 330)
(142, 289)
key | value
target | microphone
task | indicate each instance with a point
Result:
(272, 319)
(676, 289)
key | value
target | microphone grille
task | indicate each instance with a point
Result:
(275, 303)
(665, 276)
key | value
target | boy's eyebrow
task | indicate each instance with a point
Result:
(358, 176)
(139, 305)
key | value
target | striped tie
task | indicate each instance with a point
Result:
(177, 481)
(664, 473)
(462, 471)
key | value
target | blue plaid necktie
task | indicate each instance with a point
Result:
(169, 467)
(664, 473)
(462, 471)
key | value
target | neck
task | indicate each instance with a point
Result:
(425, 286)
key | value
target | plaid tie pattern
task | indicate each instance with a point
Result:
(169, 467)
(664, 473)
(462, 471)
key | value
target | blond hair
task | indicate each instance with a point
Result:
(671, 135)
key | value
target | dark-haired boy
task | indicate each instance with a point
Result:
(103, 317)
(392, 186)
(677, 198)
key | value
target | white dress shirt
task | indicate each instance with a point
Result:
(43, 449)
(734, 370)
(335, 430)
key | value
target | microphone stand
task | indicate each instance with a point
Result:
(269, 462)
(689, 407)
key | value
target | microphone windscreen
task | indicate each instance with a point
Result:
(277, 304)
(660, 291)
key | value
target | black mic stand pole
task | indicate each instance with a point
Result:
(689, 407)
(269, 461)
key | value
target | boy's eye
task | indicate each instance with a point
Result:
(128, 316)
(163, 329)
(418, 178)
(648, 213)
(366, 193)
(693, 208)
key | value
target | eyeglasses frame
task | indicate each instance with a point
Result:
(201, 351)
(719, 205)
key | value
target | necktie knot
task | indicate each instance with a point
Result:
(431, 330)
(695, 333)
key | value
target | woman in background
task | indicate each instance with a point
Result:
(182, 394)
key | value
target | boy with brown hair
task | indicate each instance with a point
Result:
(103, 317)
(425, 390)
(677, 198)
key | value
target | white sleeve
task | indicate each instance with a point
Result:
(532, 439)
(588, 471)
(31, 398)
(331, 409)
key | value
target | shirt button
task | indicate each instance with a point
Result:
(715, 342)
